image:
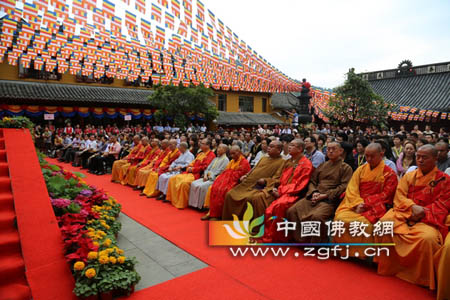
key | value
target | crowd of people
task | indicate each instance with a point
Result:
(301, 174)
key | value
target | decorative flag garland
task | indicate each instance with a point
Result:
(53, 39)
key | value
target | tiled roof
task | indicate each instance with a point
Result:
(283, 100)
(423, 87)
(431, 91)
(27, 90)
(246, 118)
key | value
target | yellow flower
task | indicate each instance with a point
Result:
(90, 273)
(110, 250)
(107, 243)
(119, 251)
(96, 244)
(92, 255)
(103, 259)
(78, 266)
(103, 253)
(121, 259)
(112, 260)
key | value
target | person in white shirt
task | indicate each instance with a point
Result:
(91, 148)
(286, 130)
(260, 154)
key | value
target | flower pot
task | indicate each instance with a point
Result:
(92, 297)
(106, 295)
(123, 292)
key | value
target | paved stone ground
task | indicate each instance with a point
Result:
(158, 259)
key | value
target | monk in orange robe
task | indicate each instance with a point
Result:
(118, 164)
(142, 174)
(179, 185)
(421, 206)
(371, 188)
(143, 151)
(150, 186)
(442, 263)
(132, 172)
(294, 179)
(236, 168)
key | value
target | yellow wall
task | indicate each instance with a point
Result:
(9, 72)
(233, 101)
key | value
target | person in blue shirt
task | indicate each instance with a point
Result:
(315, 156)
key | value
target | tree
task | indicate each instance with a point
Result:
(178, 102)
(356, 102)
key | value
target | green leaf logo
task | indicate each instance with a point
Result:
(243, 229)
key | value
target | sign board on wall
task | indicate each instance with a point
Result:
(49, 117)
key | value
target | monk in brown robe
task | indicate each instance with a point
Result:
(255, 187)
(142, 175)
(370, 190)
(421, 207)
(118, 164)
(294, 179)
(326, 185)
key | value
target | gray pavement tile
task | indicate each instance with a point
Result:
(163, 252)
(151, 272)
(137, 232)
(123, 243)
(186, 267)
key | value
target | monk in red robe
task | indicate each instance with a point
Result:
(295, 177)
(236, 168)
(142, 153)
(179, 185)
(421, 207)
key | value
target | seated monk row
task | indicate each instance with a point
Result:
(420, 216)
(421, 201)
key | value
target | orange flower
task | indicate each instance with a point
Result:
(92, 255)
(121, 259)
(78, 266)
(103, 259)
(112, 260)
(90, 273)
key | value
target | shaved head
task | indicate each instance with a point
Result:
(375, 147)
(235, 148)
(430, 149)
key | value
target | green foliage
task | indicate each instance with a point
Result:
(179, 101)
(356, 102)
(16, 122)
(59, 187)
(109, 277)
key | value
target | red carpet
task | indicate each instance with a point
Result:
(13, 284)
(248, 277)
(47, 272)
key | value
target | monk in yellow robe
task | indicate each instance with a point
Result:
(370, 189)
(118, 164)
(442, 263)
(142, 174)
(421, 206)
(179, 185)
(143, 151)
(132, 172)
(256, 187)
(152, 180)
